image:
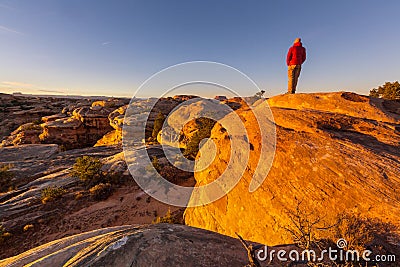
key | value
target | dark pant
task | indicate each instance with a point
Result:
(293, 77)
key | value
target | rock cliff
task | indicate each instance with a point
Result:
(335, 152)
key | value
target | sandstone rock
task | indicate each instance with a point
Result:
(115, 165)
(110, 138)
(141, 114)
(83, 129)
(345, 103)
(181, 124)
(335, 152)
(154, 245)
(53, 117)
(27, 133)
(36, 167)
(220, 98)
(116, 119)
(27, 152)
(18, 110)
(182, 98)
(110, 103)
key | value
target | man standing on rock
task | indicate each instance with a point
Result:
(295, 57)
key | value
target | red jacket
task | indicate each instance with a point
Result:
(296, 54)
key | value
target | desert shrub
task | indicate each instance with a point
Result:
(38, 121)
(156, 164)
(33, 127)
(158, 124)
(52, 193)
(175, 217)
(167, 218)
(101, 191)
(3, 234)
(6, 177)
(170, 173)
(88, 170)
(360, 232)
(388, 90)
(28, 227)
(204, 131)
(305, 225)
(79, 195)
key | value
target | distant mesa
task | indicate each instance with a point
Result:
(220, 98)
(182, 98)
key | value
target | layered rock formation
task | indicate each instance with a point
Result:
(183, 122)
(73, 123)
(27, 133)
(16, 110)
(84, 128)
(140, 108)
(335, 152)
(116, 119)
(154, 245)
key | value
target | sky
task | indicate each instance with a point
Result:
(98, 47)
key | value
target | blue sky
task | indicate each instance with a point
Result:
(97, 47)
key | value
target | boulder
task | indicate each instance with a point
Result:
(150, 245)
(335, 153)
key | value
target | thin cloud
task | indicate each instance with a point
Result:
(18, 84)
(106, 43)
(31, 88)
(9, 30)
(52, 91)
(6, 7)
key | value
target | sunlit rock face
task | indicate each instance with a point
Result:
(116, 119)
(335, 152)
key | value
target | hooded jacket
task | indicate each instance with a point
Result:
(296, 54)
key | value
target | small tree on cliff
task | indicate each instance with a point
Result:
(158, 124)
(388, 90)
(88, 170)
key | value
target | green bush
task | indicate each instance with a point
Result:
(204, 131)
(6, 177)
(170, 173)
(158, 124)
(52, 193)
(88, 170)
(388, 90)
(156, 164)
(101, 191)
(3, 234)
(167, 218)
